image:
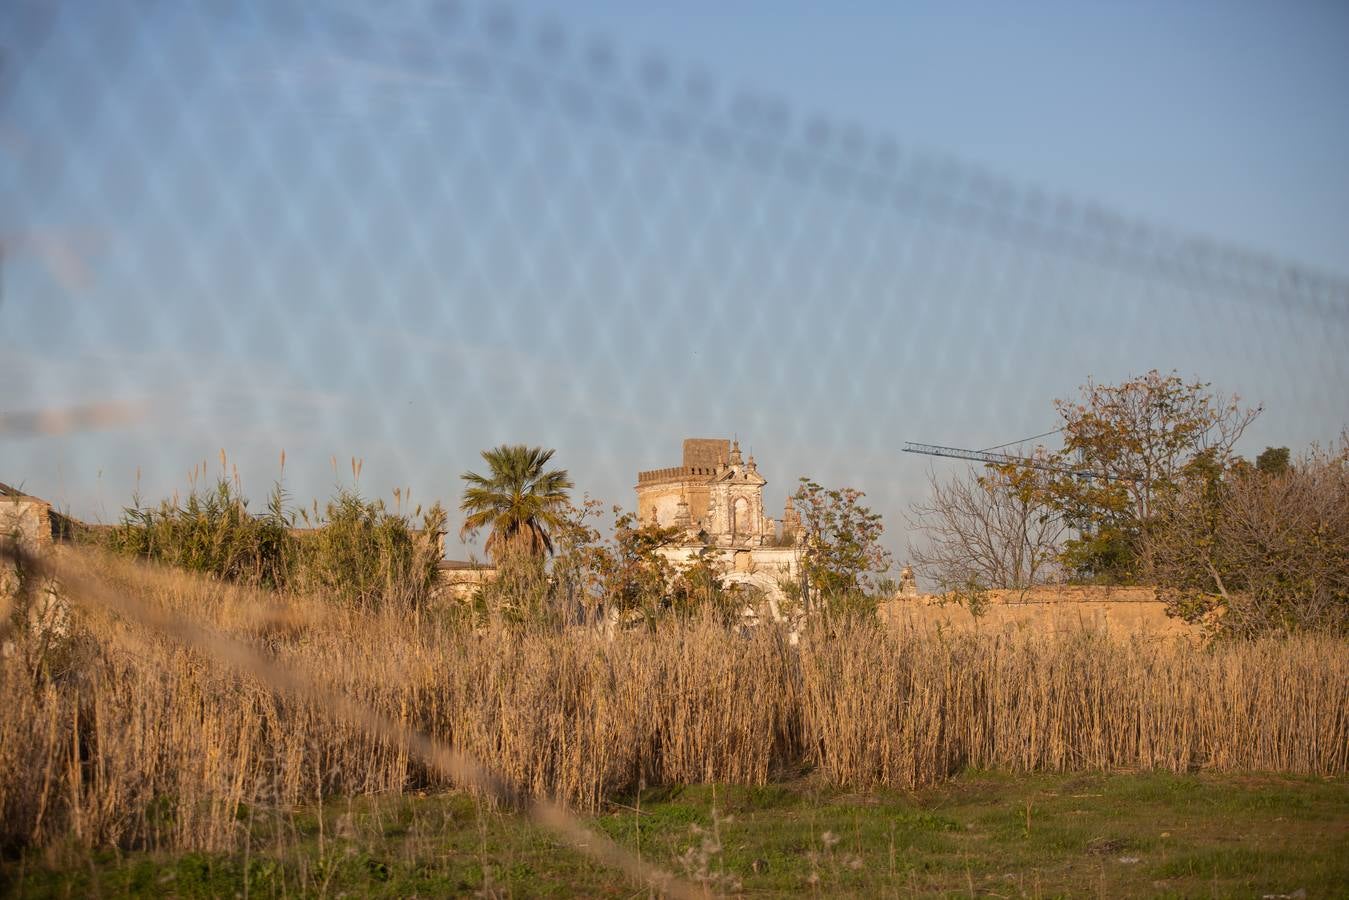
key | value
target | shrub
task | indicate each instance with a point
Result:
(626, 574)
(212, 533)
(361, 553)
(841, 552)
(1257, 550)
(358, 552)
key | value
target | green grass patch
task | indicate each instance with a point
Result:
(983, 833)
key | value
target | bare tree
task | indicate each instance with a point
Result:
(989, 529)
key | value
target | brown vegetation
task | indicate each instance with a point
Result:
(1266, 547)
(990, 528)
(125, 736)
(1148, 489)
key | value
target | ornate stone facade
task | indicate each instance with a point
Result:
(716, 499)
(716, 495)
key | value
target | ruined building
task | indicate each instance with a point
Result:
(715, 493)
(716, 499)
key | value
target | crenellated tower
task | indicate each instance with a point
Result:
(717, 494)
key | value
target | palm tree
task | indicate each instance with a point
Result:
(519, 501)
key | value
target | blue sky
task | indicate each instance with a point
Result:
(407, 232)
(1222, 118)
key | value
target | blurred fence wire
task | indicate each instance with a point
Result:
(410, 232)
(413, 231)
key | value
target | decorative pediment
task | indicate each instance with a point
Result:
(717, 493)
(739, 475)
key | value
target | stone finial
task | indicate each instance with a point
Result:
(682, 518)
(736, 459)
(750, 465)
(791, 520)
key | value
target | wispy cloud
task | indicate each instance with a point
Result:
(166, 393)
(65, 420)
(65, 255)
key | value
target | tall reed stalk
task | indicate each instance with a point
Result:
(139, 741)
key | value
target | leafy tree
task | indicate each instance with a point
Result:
(632, 575)
(1137, 438)
(628, 572)
(519, 500)
(577, 543)
(698, 586)
(841, 553)
(1251, 551)
(1274, 461)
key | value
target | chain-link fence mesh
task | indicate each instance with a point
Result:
(408, 233)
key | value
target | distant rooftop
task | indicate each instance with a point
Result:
(7, 490)
(461, 564)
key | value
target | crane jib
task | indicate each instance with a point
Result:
(992, 458)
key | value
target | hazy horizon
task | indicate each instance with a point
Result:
(606, 227)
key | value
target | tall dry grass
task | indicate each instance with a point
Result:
(129, 737)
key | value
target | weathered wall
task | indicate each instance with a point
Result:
(457, 581)
(28, 519)
(776, 562)
(1123, 612)
(44, 609)
(735, 511)
(662, 488)
(779, 562)
(662, 500)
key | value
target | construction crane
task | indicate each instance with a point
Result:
(1002, 459)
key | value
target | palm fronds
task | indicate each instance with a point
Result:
(518, 501)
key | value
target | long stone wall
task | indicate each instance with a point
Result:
(1122, 612)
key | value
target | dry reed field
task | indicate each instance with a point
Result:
(122, 736)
